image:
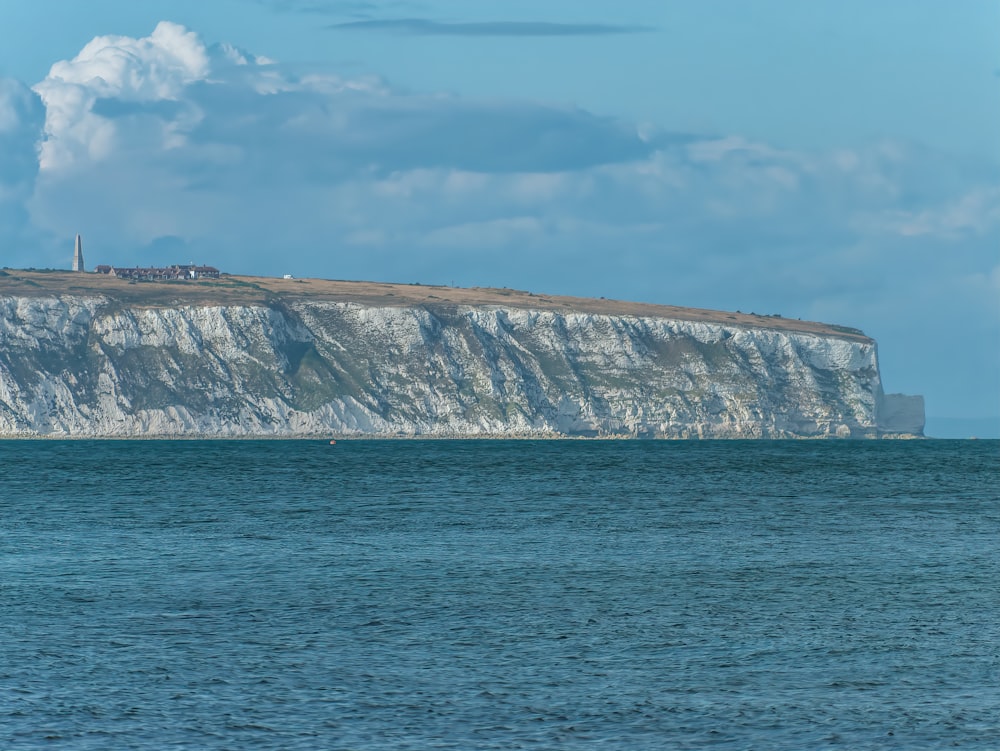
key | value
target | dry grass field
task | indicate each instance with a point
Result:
(249, 290)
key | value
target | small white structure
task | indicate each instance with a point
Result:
(288, 276)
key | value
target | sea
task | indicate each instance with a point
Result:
(484, 594)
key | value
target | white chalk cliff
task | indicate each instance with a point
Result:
(90, 366)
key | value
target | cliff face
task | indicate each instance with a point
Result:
(91, 366)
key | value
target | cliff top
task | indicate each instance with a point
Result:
(250, 290)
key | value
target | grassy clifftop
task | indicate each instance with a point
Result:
(256, 290)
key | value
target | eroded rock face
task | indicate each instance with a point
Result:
(85, 366)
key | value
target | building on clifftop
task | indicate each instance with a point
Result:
(176, 272)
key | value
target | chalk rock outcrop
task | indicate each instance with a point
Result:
(91, 366)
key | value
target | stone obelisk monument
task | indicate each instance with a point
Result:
(78, 255)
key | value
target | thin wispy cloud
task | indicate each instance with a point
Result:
(426, 27)
(355, 8)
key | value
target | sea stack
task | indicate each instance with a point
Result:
(78, 255)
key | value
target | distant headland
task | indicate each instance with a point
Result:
(102, 354)
(186, 349)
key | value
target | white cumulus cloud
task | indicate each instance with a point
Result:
(151, 69)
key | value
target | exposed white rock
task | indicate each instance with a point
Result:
(86, 366)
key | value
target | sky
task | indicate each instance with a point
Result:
(831, 160)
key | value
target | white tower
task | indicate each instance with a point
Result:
(78, 255)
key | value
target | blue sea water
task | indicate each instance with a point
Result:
(499, 595)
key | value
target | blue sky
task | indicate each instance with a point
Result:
(837, 161)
